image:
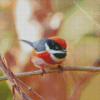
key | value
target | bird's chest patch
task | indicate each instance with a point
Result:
(43, 59)
(44, 56)
(38, 62)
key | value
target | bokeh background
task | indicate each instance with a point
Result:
(78, 22)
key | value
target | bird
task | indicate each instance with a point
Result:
(48, 52)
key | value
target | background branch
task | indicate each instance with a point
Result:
(10, 76)
(69, 68)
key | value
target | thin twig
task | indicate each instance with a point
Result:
(15, 78)
(30, 89)
(69, 68)
(8, 73)
(7, 69)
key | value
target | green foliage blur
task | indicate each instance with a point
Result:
(5, 92)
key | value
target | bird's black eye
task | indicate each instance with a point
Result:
(54, 45)
(57, 48)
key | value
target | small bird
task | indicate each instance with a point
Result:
(48, 52)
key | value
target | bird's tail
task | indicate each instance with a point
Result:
(28, 42)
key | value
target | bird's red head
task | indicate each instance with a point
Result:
(61, 41)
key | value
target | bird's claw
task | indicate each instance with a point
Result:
(43, 72)
(60, 69)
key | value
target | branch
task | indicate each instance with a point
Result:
(30, 89)
(69, 68)
(11, 76)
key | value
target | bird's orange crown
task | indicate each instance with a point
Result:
(61, 41)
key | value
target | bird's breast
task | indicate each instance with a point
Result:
(44, 56)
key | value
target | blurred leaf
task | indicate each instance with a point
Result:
(5, 92)
(91, 34)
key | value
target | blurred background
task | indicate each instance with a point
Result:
(78, 22)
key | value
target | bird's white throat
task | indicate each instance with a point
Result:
(53, 52)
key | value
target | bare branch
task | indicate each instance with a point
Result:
(10, 76)
(30, 89)
(69, 68)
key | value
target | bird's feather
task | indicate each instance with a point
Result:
(38, 45)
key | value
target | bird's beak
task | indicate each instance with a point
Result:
(64, 50)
